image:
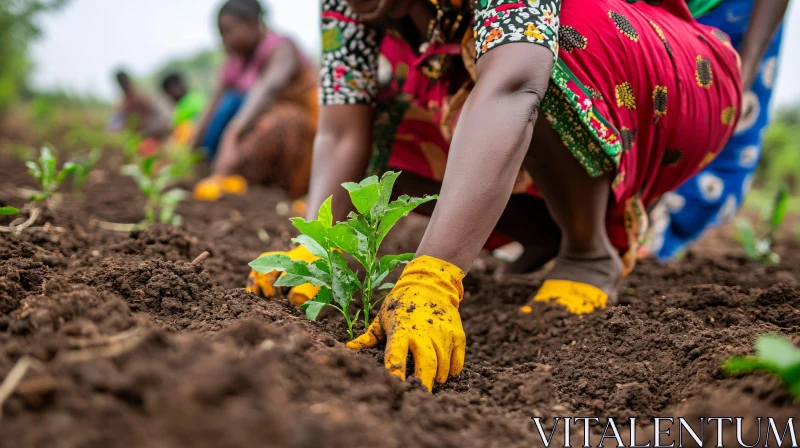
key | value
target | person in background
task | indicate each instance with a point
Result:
(714, 196)
(189, 107)
(138, 112)
(261, 122)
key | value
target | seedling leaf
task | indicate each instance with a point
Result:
(400, 209)
(300, 273)
(270, 263)
(777, 350)
(347, 239)
(314, 307)
(325, 215)
(779, 209)
(312, 246)
(314, 230)
(6, 211)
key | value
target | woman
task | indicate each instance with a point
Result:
(591, 108)
(260, 125)
(713, 197)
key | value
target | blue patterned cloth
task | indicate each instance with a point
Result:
(714, 196)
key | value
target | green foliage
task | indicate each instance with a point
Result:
(47, 174)
(155, 184)
(8, 211)
(781, 152)
(759, 247)
(774, 354)
(18, 28)
(360, 237)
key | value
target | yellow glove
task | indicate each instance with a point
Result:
(262, 284)
(212, 188)
(421, 314)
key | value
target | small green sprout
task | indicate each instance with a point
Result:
(154, 184)
(46, 172)
(774, 354)
(360, 237)
(9, 211)
(759, 248)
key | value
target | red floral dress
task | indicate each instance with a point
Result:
(639, 88)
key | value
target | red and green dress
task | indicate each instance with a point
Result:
(639, 89)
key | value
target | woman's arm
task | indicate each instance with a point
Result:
(492, 137)
(341, 154)
(281, 68)
(765, 18)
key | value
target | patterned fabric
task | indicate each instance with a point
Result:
(350, 49)
(714, 196)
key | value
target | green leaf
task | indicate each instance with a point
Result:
(5, 211)
(325, 215)
(747, 238)
(791, 377)
(779, 209)
(312, 246)
(777, 350)
(34, 171)
(398, 210)
(347, 239)
(313, 229)
(314, 307)
(364, 195)
(321, 270)
(300, 273)
(387, 185)
(344, 281)
(387, 264)
(387, 286)
(270, 263)
(47, 162)
(147, 165)
(748, 364)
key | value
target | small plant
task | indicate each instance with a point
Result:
(9, 211)
(154, 184)
(760, 248)
(360, 237)
(46, 172)
(774, 354)
(84, 164)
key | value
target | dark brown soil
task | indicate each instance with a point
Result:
(136, 346)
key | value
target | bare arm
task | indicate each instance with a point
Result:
(279, 72)
(341, 154)
(493, 135)
(765, 18)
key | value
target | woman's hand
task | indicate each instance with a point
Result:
(420, 314)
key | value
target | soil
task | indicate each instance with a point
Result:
(131, 344)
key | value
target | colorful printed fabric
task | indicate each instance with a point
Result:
(651, 114)
(714, 196)
(350, 49)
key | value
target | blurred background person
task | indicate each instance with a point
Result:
(137, 111)
(261, 121)
(188, 106)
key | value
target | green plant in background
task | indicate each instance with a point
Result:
(759, 248)
(84, 164)
(360, 237)
(183, 158)
(155, 184)
(9, 211)
(774, 354)
(45, 171)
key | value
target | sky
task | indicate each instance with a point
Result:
(85, 42)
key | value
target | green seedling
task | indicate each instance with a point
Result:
(183, 158)
(774, 354)
(154, 184)
(759, 248)
(360, 236)
(47, 174)
(9, 211)
(84, 164)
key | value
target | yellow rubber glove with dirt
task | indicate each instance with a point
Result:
(262, 284)
(421, 314)
(212, 188)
